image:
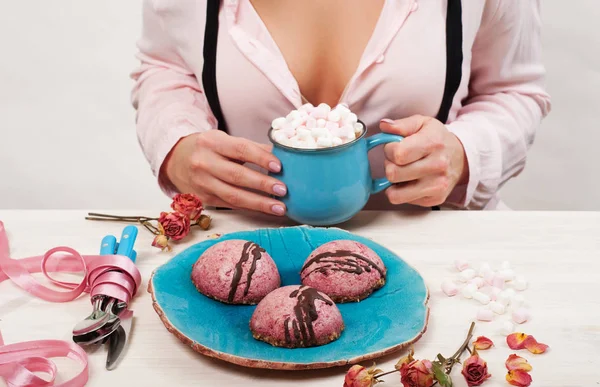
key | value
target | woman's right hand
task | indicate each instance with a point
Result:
(209, 164)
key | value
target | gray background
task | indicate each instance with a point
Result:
(66, 123)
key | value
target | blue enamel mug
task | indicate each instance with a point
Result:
(328, 186)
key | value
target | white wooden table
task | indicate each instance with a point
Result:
(559, 252)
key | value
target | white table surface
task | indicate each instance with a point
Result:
(559, 252)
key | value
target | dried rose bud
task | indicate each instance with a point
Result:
(204, 222)
(162, 242)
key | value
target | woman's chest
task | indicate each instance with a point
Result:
(321, 42)
(400, 70)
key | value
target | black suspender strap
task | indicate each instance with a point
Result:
(454, 57)
(454, 60)
(209, 71)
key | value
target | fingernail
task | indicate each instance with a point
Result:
(388, 121)
(279, 210)
(279, 189)
(274, 167)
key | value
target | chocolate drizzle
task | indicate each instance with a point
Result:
(352, 263)
(306, 314)
(250, 248)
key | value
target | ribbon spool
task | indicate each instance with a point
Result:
(111, 275)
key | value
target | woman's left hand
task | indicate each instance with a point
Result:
(427, 164)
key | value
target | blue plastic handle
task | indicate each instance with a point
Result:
(380, 184)
(108, 245)
(127, 242)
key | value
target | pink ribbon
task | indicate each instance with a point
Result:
(111, 275)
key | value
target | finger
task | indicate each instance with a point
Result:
(242, 199)
(405, 126)
(416, 170)
(409, 150)
(242, 149)
(241, 176)
(410, 192)
(428, 201)
(213, 201)
(267, 147)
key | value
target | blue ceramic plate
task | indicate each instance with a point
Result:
(390, 319)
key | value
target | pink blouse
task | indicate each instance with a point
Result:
(495, 113)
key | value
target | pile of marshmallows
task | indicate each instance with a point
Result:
(495, 290)
(313, 127)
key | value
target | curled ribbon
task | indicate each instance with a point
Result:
(111, 275)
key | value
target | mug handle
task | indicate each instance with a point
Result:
(380, 184)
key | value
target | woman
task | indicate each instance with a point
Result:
(462, 81)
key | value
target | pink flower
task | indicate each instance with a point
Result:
(175, 224)
(417, 373)
(162, 242)
(189, 205)
(359, 376)
(475, 370)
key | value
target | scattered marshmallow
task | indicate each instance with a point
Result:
(484, 268)
(484, 314)
(494, 292)
(468, 291)
(477, 281)
(328, 127)
(505, 265)
(497, 307)
(507, 274)
(488, 276)
(510, 293)
(520, 283)
(504, 297)
(466, 275)
(507, 328)
(517, 301)
(482, 298)
(461, 264)
(498, 282)
(449, 288)
(521, 315)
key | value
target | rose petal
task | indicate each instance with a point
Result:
(515, 362)
(534, 346)
(516, 340)
(518, 378)
(482, 342)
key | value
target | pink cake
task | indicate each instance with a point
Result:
(235, 272)
(345, 270)
(296, 316)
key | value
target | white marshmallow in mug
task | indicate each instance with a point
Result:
(328, 127)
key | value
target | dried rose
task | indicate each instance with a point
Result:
(189, 205)
(518, 378)
(475, 370)
(405, 360)
(515, 362)
(482, 342)
(523, 341)
(417, 373)
(162, 242)
(359, 376)
(175, 224)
